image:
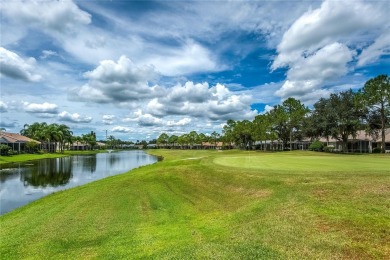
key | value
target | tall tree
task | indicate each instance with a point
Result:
(172, 140)
(243, 131)
(261, 128)
(90, 139)
(340, 116)
(376, 95)
(214, 137)
(295, 113)
(162, 139)
(279, 123)
(193, 138)
(228, 131)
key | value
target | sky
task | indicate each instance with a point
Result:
(136, 69)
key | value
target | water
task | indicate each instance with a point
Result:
(24, 182)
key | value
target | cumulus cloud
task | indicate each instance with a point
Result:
(120, 81)
(13, 66)
(45, 107)
(73, 118)
(122, 129)
(182, 122)
(316, 51)
(201, 101)
(109, 119)
(53, 16)
(309, 74)
(3, 107)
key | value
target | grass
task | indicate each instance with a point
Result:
(215, 205)
(30, 157)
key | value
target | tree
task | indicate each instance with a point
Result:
(295, 114)
(193, 138)
(261, 128)
(228, 131)
(183, 140)
(278, 119)
(243, 133)
(90, 139)
(215, 137)
(162, 139)
(172, 140)
(111, 141)
(339, 116)
(376, 95)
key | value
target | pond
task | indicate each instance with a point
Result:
(24, 182)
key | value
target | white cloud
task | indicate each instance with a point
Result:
(268, 108)
(3, 107)
(322, 26)
(182, 122)
(120, 82)
(45, 107)
(109, 119)
(47, 53)
(149, 120)
(320, 46)
(53, 16)
(309, 74)
(202, 101)
(189, 58)
(121, 129)
(13, 66)
(73, 118)
(380, 47)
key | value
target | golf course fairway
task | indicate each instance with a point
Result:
(198, 204)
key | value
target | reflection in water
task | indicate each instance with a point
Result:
(24, 182)
(88, 163)
(113, 159)
(48, 173)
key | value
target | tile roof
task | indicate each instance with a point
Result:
(15, 138)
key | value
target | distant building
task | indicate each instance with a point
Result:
(17, 142)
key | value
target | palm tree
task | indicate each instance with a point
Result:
(64, 136)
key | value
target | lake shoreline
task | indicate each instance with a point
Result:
(27, 181)
(31, 157)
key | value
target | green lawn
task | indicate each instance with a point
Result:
(218, 205)
(29, 157)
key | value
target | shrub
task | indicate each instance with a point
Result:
(329, 148)
(376, 150)
(316, 146)
(4, 149)
(32, 147)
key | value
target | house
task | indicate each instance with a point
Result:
(216, 145)
(17, 142)
(78, 146)
(362, 142)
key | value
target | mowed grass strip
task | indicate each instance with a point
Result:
(29, 157)
(218, 205)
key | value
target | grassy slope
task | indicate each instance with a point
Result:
(29, 157)
(214, 205)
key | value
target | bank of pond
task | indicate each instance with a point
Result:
(23, 182)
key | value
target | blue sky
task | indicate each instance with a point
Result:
(140, 68)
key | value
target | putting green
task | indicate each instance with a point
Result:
(314, 163)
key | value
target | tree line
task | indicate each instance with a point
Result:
(54, 135)
(339, 116)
